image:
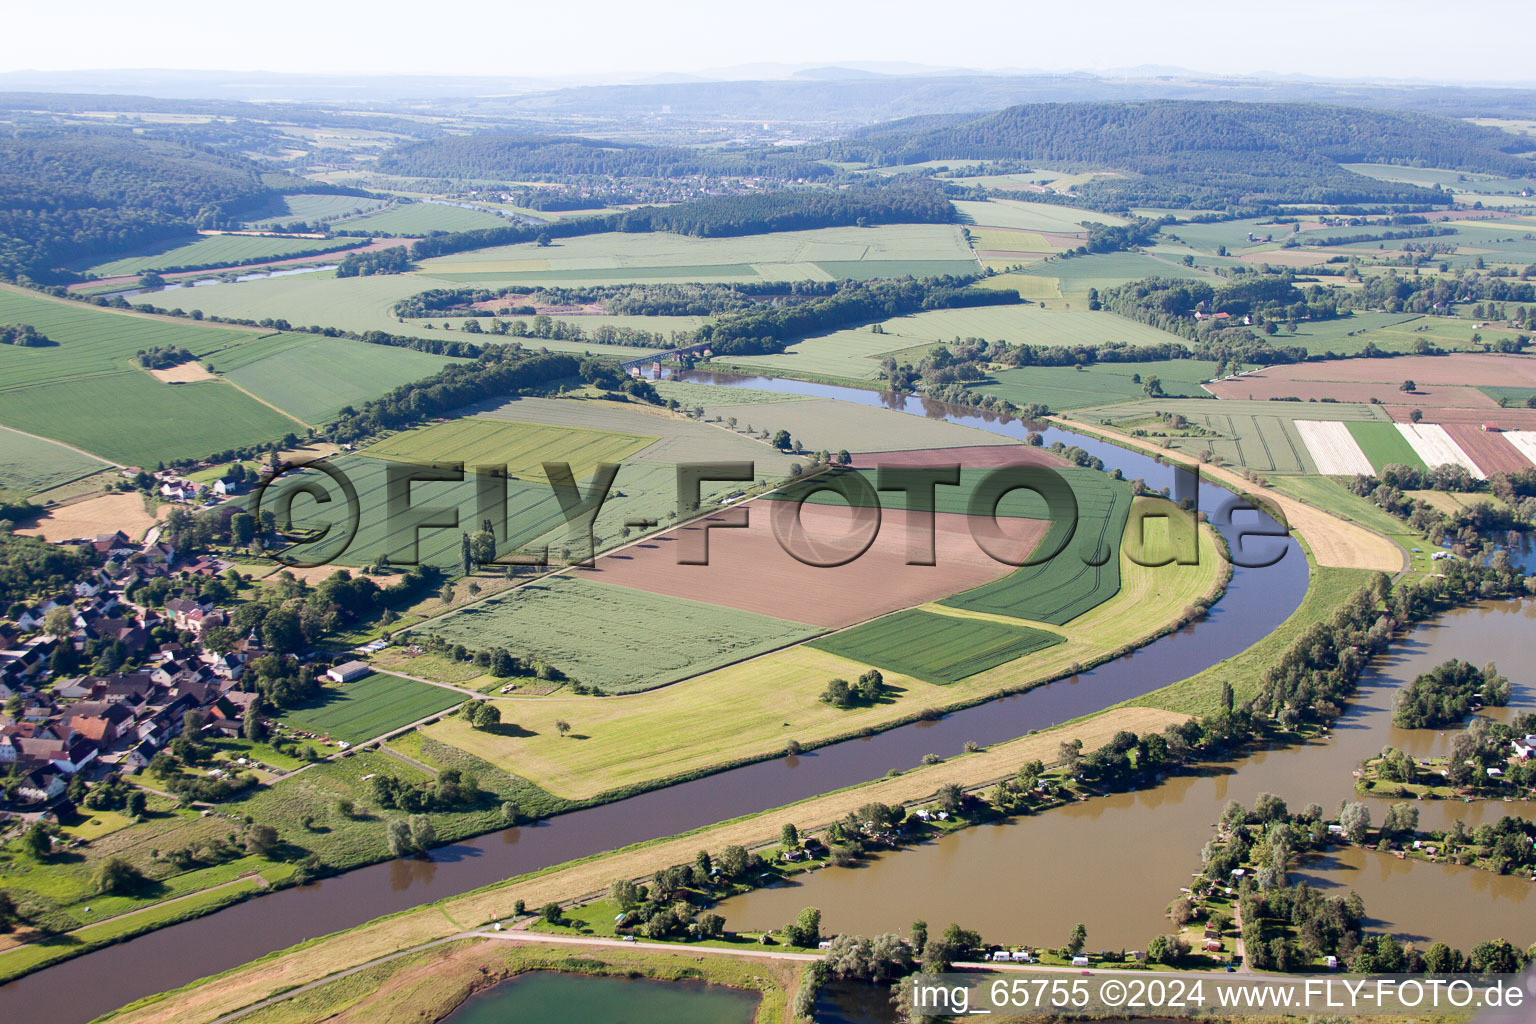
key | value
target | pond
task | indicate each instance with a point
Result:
(544, 996)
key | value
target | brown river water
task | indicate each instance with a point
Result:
(1114, 863)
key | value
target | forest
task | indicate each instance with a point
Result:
(1189, 154)
(66, 197)
(501, 157)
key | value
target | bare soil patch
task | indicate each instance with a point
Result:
(1508, 419)
(183, 373)
(749, 569)
(103, 514)
(1262, 387)
(1287, 257)
(1465, 369)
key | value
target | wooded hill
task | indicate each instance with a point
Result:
(68, 196)
(512, 157)
(1203, 153)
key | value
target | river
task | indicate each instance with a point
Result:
(1114, 863)
(1257, 601)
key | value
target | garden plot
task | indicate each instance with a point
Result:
(1436, 447)
(1333, 448)
(1492, 452)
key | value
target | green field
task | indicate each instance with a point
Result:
(691, 395)
(29, 464)
(935, 648)
(371, 706)
(1078, 274)
(620, 639)
(522, 447)
(531, 512)
(947, 499)
(315, 377)
(785, 255)
(220, 251)
(90, 340)
(1385, 445)
(868, 270)
(832, 425)
(1063, 387)
(1511, 396)
(855, 354)
(132, 418)
(312, 207)
(364, 303)
(1065, 586)
(1026, 216)
(421, 218)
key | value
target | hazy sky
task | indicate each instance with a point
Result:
(1429, 39)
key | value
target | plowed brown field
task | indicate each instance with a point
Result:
(1490, 450)
(750, 570)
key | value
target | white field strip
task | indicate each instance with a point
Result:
(1436, 448)
(1333, 448)
(1524, 442)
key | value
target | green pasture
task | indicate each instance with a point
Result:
(617, 638)
(1384, 445)
(1027, 216)
(369, 707)
(313, 207)
(422, 218)
(1078, 274)
(935, 648)
(131, 418)
(1065, 387)
(220, 251)
(313, 377)
(522, 447)
(30, 464)
(89, 340)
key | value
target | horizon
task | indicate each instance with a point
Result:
(686, 39)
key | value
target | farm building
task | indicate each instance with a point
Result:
(348, 671)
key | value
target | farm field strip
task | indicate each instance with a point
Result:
(1524, 442)
(1333, 448)
(1384, 445)
(1492, 452)
(421, 218)
(30, 464)
(1436, 448)
(222, 251)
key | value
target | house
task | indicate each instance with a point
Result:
(1522, 750)
(226, 487)
(348, 671)
(41, 786)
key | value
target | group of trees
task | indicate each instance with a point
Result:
(1448, 693)
(451, 790)
(394, 260)
(869, 688)
(24, 336)
(1477, 526)
(158, 357)
(639, 299)
(855, 302)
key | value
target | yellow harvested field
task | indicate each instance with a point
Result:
(754, 708)
(1333, 541)
(209, 1000)
(183, 373)
(103, 514)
